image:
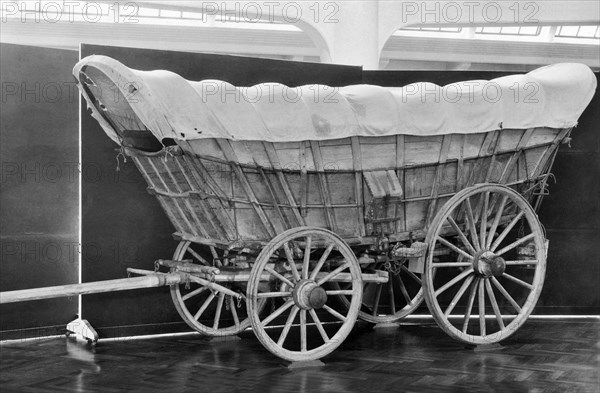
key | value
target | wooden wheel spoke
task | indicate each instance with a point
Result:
(403, 290)
(306, 257)
(193, 293)
(377, 297)
(334, 273)
(494, 303)
(518, 281)
(453, 282)
(506, 230)
(218, 312)
(459, 295)
(334, 313)
(288, 324)
(451, 264)
(303, 344)
(481, 306)
(470, 305)
(391, 294)
(522, 262)
(453, 247)
(483, 224)
(479, 208)
(277, 312)
(496, 222)
(461, 235)
(198, 256)
(204, 306)
(343, 292)
(225, 258)
(234, 314)
(505, 293)
(515, 244)
(290, 258)
(493, 202)
(411, 274)
(471, 224)
(319, 325)
(322, 260)
(215, 255)
(279, 276)
(273, 294)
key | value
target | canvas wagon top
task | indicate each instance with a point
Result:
(171, 107)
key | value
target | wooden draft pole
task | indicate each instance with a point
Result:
(123, 284)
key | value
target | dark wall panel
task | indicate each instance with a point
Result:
(122, 225)
(39, 185)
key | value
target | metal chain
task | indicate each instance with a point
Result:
(393, 266)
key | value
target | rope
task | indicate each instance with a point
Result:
(121, 154)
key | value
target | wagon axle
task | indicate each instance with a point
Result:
(308, 295)
(488, 264)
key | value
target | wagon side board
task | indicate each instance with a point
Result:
(238, 194)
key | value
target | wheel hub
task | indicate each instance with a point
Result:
(487, 264)
(307, 295)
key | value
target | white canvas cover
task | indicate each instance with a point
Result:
(172, 107)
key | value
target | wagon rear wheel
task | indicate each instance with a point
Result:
(391, 301)
(490, 282)
(208, 312)
(294, 271)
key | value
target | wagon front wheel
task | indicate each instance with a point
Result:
(489, 283)
(295, 271)
(391, 301)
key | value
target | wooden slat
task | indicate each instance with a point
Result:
(165, 200)
(323, 186)
(231, 157)
(444, 149)
(274, 159)
(199, 224)
(303, 179)
(162, 202)
(175, 201)
(460, 163)
(284, 221)
(545, 163)
(358, 184)
(202, 176)
(489, 141)
(207, 212)
(550, 149)
(400, 162)
(496, 145)
(513, 159)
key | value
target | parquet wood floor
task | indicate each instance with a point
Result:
(543, 356)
